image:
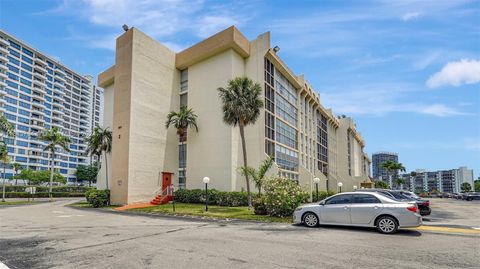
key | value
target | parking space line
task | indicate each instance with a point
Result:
(447, 229)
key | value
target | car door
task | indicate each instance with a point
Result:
(336, 210)
(364, 208)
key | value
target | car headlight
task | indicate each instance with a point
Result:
(298, 208)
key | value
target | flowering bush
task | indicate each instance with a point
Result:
(282, 196)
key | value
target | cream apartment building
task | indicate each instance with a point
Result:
(148, 80)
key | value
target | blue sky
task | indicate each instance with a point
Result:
(407, 71)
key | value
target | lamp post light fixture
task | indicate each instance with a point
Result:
(340, 184)
(316, 181)
(355, 187)
(206, 180)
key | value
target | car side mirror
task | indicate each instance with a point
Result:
(322, 203)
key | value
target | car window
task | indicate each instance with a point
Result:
(339, 199)
(365, 199)
(398, 195)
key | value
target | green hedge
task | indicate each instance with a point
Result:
(75, 189)
(98, 198)
(321, 195)
(215, 197)
(42, 194)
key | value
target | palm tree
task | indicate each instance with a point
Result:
(182, 120)
(4, 159)
(16, 167)
(400, 182)
(392, 166)
(6, 129)
(241, 104)
(100, 141)
(54, 139)
(258, 176)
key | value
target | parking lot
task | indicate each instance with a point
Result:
(51, 235)
(455, 213)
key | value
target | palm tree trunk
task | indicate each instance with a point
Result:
(106, 170)
(3, 191)
(51, 176)
(244, 149)
(16, 179)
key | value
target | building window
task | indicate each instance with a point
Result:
(182, 155)
(184, 80)
(184, 100)
(182, 180)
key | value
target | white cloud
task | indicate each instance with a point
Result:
(212, 24)
(439, 110)
(410, 16)
(472, 144)
(161, 19)
(465, 71)
(382, 99)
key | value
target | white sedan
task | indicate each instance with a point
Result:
(366, 209)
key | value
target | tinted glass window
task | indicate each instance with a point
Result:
(365, 199)
(398, 195)
(340, 199)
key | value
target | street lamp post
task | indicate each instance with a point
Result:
(316, 181)
(206, 180)
(340, 184)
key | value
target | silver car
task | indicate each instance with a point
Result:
(366, 209)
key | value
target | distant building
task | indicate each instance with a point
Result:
(377, 159)
(442, 180)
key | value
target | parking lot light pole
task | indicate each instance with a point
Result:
(316, 181)
(206, 180)
(340, 184)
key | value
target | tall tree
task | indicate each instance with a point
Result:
(98, 143)
(394, 167)
(54, 139)
(5, 160)
(241, 104)
(258, 176)
(87, 173)
(181, 121)
(16, 167)
(466, 187)
(6, 129)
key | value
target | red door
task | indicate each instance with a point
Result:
(166, 179)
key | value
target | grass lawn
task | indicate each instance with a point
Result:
(214, 211)
(19, 202)
(87, 205)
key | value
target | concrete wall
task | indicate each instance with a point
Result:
(107, 123)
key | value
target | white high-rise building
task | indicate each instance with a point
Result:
(38, 93)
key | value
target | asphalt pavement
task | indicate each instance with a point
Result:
(51, 235)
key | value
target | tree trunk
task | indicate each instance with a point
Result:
(3, 188)
(14, 175)
(106, 170)
(52, 168)
(244, 149)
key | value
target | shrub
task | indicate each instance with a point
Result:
(42, 194)
(282, 196)
(259, 206)
(215, 197)
(98, 198)
(321, 195)
(76, 189)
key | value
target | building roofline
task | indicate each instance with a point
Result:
(385, 152)
(25, 44)
(230, 38)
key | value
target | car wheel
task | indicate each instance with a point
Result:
(310, 220)
(387, 225)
